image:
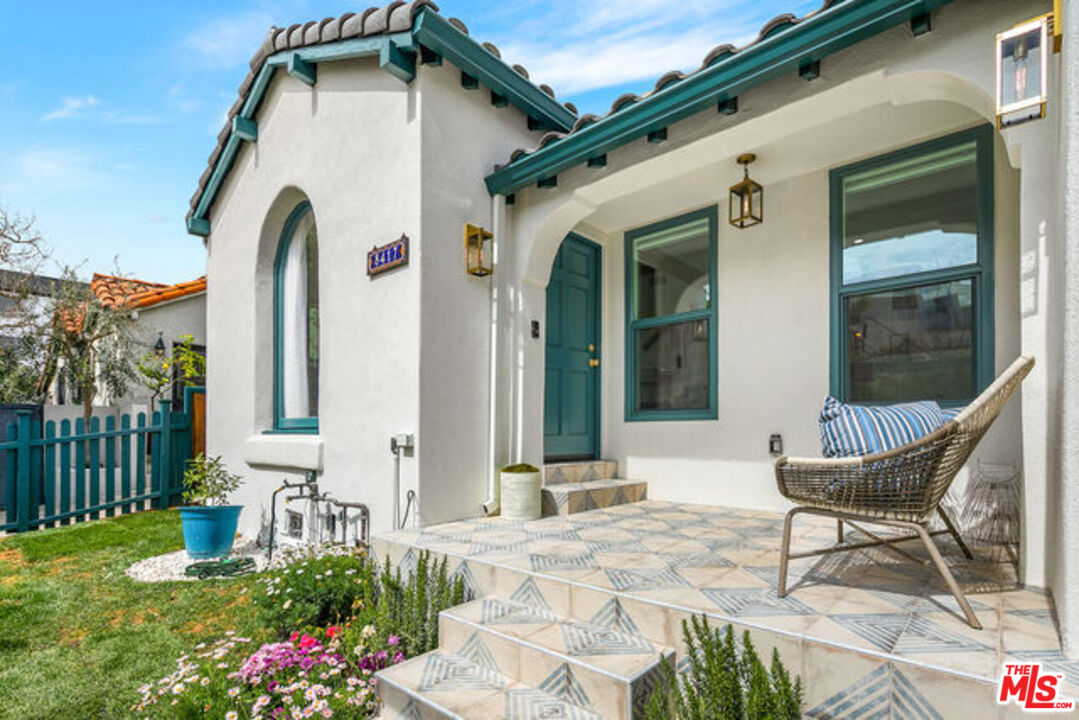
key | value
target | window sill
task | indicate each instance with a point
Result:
(290, 449)
(673, 415)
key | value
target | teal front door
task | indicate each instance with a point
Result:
(571, 395)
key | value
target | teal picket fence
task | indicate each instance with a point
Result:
(63, 473)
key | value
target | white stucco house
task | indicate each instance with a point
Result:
(910, 248)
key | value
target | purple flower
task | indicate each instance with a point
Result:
(393, 640)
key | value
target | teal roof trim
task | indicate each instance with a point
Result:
(396, 52)
(784, 47)
(435, 32)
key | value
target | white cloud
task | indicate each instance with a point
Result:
(72, 107)
(49, 170)
(580, 46)
(229, 41)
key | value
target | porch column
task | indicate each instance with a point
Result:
(1065, 575)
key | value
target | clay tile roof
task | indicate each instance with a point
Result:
(774, 26)
(113, 291)
(395, 17)
(155, 296)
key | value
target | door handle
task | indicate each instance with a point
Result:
(593, 362)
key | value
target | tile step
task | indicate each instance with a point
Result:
(446, 686)
(574, 497)
(579, 471)
(599, 667)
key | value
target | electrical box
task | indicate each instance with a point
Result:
(404, 441)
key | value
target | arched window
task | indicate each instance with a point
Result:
(296, 333)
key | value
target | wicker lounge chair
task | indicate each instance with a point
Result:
(901, 488)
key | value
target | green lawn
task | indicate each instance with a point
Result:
(78, 637)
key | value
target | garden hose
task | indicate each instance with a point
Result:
(220, 568)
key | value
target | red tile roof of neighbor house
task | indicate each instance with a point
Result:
(170, 292)
(114, 291)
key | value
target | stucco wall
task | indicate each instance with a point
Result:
(404, 352)
(463, 138)
(350, 145)
(1064, 531)
(173, 320)
(772, 345)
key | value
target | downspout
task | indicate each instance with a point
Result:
(498, 226)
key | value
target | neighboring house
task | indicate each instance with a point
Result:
(909, 249)
(23, 294)
(163, 315)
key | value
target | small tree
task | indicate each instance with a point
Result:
(159, 373)
(89, 342)
(23, 251)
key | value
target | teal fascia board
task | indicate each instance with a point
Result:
(433, 31)
(396, 54)
(348, 49)
(843, 24)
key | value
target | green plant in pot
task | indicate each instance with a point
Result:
(209, 522)
(521, 492)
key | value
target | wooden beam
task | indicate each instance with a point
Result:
(245, 128)
(547, 182)
(302, 70)
(920, 24)
(499, 100)
(198, 226)
(397, 62)
(598, 161)
(728, 106)
(430, 57)
(657, 136)
(810, 71)
(469, 82)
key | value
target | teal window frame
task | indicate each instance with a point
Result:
(980, 272)
(281, 423)
(710, 314)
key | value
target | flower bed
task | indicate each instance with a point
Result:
(333, 620)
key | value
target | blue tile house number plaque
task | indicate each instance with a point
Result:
(387, 257)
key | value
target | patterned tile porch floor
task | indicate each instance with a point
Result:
(870, 606)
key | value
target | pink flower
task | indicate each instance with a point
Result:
(393, 640)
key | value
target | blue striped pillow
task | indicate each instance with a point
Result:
(848, 430)
(949, 414)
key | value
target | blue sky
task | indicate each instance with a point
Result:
(108, 110)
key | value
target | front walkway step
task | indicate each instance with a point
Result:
(574, 497)
(600, 668)
(448, 686)
(579, 471)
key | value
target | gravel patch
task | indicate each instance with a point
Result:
(170, 566)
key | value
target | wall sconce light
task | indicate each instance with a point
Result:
(1023, 72)
(747, 198)
(159, 346)
(478, 251)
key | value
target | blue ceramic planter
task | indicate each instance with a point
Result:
(209, 530)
